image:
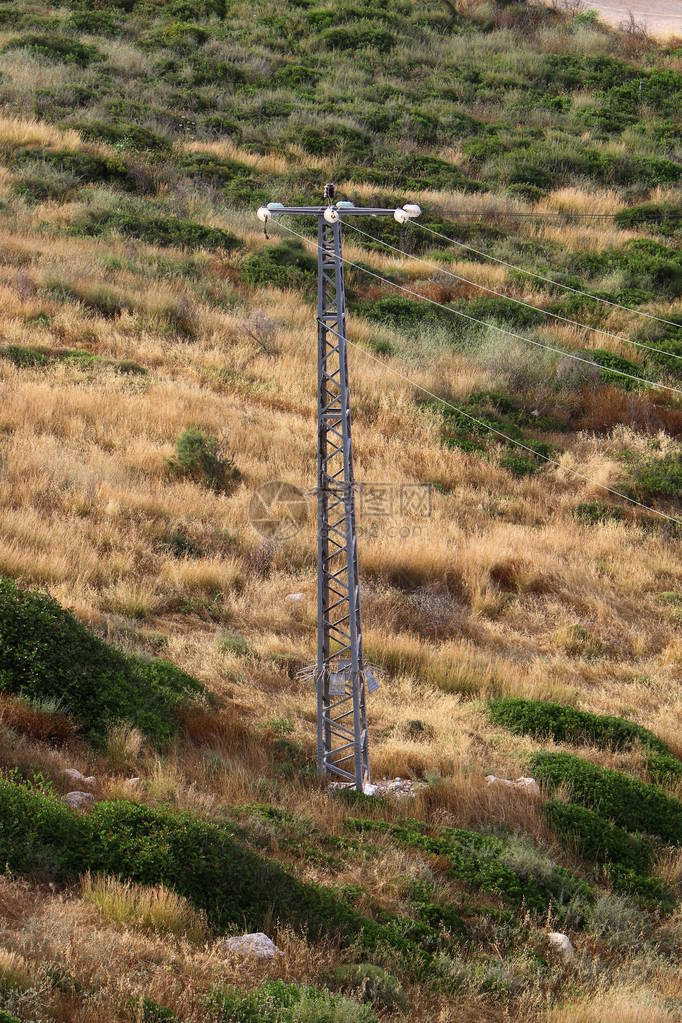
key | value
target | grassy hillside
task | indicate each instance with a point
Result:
(157, 361)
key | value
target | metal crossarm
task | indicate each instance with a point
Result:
(340, 676)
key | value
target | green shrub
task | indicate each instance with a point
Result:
(595, 838)
(198, 457)
(182, 36)
(627, 801)
(658, 477)
(213, 170)
(197, 858)
(7, 1017)
(55, 47)
(358, 37)
(519, 465)
(566, 724)
(46, 654)
(124, 134)
(25, 356)
(660, 215)
(371, 984)
(277, 1002)
(285, 265)
(94, 22)
(155, 228)
(627, 857)
(595, 513)
(479, 860)
(610, 361)
(39, 182)
(152, 1012)
(80, 165)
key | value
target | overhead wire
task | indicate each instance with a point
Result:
(542, 277)
(510, 298)
(566, 215)
(505, 436)
(492, 326)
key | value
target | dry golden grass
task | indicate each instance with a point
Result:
(157, 909)
(499, 590)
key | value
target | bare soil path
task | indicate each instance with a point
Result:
(661, 17)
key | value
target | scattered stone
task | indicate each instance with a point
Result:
(75, 775)
(400, 787)
(257, 944)
(562, 943)
(295, 598)
(528, 785)
(78, 800)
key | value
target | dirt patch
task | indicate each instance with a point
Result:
(660, 17)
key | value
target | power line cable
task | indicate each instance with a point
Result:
(547, 215)
(500, 433)
(493, 326)
(510, 298)
(541, 277)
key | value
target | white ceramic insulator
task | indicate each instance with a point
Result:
(331, 215)
(401, 216)
(263, 214)
(412, 209)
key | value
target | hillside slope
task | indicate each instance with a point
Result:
(157, 360)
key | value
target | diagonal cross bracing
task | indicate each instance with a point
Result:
(342, 750)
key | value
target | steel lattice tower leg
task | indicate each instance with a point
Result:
(342, 749)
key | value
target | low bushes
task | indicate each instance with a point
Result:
(81, 165)
(595, 838)
(36, 356)
(54, 47)
(125, 134)
(566, 724)
(372, 984)
(47, 654)
(658, 477)
(580, 727)
(286, 265)
(479, 860)
(277, 1002)
(194, 857)
(627, 857)
(198, 456)
(154, 227)
(626, 801)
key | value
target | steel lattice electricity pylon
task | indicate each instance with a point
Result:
(341, 676)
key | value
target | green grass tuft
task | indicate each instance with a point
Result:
(278, 1002)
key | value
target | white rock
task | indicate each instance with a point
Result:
(295, 598)
(369, 789)
(257, 944)
(562, 943)
(82, 779)
(528, 785)
(132, 782)
(79, 800)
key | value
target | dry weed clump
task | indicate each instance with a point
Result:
(158, 910)
(35, 721)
